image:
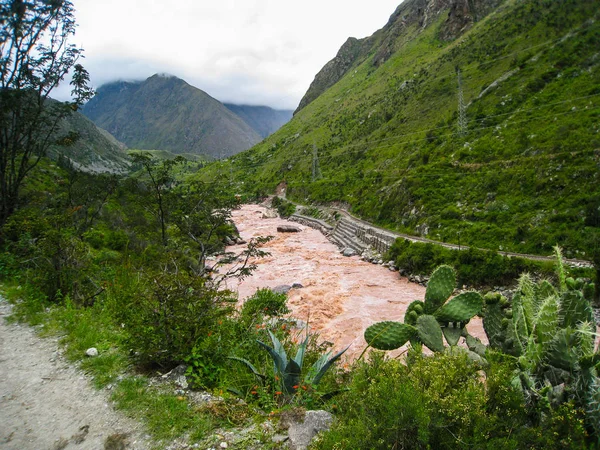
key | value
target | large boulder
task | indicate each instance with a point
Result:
(302, 432)
(288, 229)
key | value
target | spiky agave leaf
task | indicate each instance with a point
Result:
(430, 333)
(248, 364)
(439, 288)
(299, 358)
(320, 367)
(461, 308)
(291, 377)
(389, 335)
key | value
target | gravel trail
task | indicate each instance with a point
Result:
(47, 404)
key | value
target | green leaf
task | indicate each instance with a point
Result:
(321, 366)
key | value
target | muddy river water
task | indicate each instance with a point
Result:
(341, 296)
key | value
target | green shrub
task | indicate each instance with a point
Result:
(442, 402)
(171, 313)
(284, 208)
(264, 302)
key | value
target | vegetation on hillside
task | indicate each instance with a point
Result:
(524, 175)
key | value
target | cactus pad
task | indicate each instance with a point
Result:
(547, 320)
(494, 324)
(574, 309)
(461, 308)
(440, 287)
(430, 333)
(389, 335)
(452, 334)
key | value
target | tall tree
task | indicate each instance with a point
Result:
(35, 57)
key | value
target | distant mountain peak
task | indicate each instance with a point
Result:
(164, 112)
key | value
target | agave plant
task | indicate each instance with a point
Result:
(431, 321)
(289, 371)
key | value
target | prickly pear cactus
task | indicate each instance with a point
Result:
(430, 333)
(452, 334)
(574, 309)
(439, 288)
(547, 321)
(461, 308)
(494, 322)
(423, 321)
(389, 335)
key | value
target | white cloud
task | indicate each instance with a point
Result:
(242, 51)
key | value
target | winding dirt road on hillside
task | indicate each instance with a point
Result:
(46, 404)
(340, 296)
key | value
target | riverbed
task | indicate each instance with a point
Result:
(341, 296)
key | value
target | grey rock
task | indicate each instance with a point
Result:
(279, 438)
(240, 241)
(229, 241)
(93, 351)
(301, 433)
(282, 289)
(269, 214)
(297, 285)
(288, 229)
(348, 252)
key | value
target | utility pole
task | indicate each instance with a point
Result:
(462, 110)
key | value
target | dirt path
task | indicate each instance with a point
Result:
(46, 404)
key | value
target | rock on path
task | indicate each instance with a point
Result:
(46, 404)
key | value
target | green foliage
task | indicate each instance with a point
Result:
(264, 302)
(171, 313)
(473, 267)
(284, 208)
(443, 402)
(288, 372)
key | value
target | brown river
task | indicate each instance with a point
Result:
(341, 296)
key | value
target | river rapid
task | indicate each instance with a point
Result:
(341, 296)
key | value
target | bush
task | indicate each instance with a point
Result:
(443, 402)
(284, 208)
(170, 315)
(264, 302)
(474, 267)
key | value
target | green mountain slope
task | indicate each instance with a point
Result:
(262, 119)
(165, 113)
(524, 174)
(93, 150)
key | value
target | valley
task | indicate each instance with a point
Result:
(163, 239)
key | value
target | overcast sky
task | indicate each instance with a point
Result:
(259, 52)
